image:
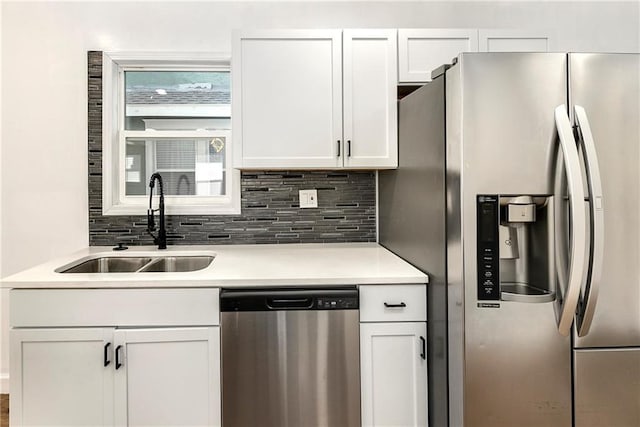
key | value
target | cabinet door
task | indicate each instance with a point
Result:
(167, 377)
(420, 51)
(59, 377)
(512, 41)
(394, 374)
(370, 99)
(287, 98)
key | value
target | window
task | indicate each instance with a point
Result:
(171, 114)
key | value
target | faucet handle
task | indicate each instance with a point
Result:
(151, 225)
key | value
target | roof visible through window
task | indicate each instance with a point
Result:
(155, 99)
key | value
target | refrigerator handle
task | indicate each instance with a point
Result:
(588, 301)
(567, 299)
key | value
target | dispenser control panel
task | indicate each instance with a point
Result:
(488, 210)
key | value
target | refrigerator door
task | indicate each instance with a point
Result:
(509, 366)
(607, 87)
(607, 388)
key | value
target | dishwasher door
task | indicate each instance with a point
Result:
(290, 357)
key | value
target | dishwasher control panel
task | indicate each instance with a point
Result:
(333, 303)
(273, 299)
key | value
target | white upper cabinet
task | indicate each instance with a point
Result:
(287, 99)
(420, 51)
(327, 99)
(512, 41)
(370, 97)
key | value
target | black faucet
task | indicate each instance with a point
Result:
(161, 239)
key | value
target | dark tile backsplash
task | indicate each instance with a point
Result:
(270, 214)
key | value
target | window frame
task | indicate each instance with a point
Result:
(114, 198)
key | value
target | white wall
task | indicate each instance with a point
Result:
(43, 137)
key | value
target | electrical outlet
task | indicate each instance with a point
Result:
(308, 198)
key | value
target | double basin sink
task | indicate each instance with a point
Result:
(138, 264)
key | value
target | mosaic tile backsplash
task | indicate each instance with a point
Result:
(270, 211)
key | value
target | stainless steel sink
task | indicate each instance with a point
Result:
(177, 264)
(109, 265)
(132, 264)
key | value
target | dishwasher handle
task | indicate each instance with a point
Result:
(289, 303)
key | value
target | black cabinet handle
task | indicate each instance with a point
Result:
(338, 148)
(348, 148)
(401, 305)
(106, 354)
(118, 364)
(424, 348)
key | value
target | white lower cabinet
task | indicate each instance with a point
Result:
(393, 374)
(156, 364)
(167, 377)
(68, 371)
(121, 377)
(58, 377)
(393, 355)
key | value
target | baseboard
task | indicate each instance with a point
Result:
(4, 383)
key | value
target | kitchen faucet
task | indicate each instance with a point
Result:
(161, 238)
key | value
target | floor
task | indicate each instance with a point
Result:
(4, 410)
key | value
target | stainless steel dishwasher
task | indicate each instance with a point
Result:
(290, 357)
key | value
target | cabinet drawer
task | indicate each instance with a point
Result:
(393, 303)
(114, 307)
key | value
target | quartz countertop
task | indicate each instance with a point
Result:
(235, 266)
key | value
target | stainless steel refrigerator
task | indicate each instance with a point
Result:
(518, 192)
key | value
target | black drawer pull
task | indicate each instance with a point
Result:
(118, 364)
(401, 305)
(348, 148)
(424, 348)
(106, 354)
(338, 148)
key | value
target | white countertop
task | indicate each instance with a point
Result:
(236, 265)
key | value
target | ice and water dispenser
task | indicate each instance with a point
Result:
(516, 258)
